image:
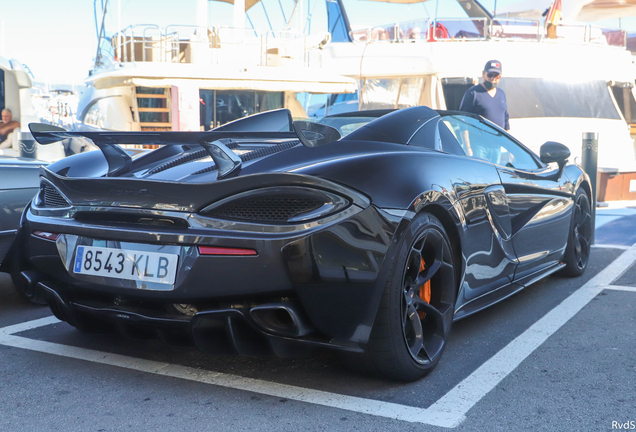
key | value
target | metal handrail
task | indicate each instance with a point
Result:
(173, 43)
(498, 28)
(167, 40)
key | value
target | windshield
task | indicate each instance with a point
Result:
(538, 97)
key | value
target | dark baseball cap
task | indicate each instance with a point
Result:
(493, 66)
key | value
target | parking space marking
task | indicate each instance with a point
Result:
(620, 288)
(449, 411)
(301, 394)
(610, 246)
(458, 401)
(29, 325)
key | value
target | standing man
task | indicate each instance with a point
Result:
(486, 99)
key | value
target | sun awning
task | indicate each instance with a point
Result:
(573, 10)
(607, 9)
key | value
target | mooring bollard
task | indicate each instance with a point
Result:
(27, 145)
(589, 161)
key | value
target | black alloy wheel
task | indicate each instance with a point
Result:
(426, 319)
(417, 309)
(577, 251)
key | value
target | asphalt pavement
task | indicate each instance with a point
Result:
(557, 356)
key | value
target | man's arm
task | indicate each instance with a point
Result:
(467, 102)
(8, 127)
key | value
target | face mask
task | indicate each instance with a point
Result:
(489, 85)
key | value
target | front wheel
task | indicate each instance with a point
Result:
(416, 313)
(577, 251)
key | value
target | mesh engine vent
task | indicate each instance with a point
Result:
(52, 198)
(268, 209)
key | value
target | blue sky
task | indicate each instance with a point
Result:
(57, 39)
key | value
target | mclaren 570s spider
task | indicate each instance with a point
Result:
(366, 232)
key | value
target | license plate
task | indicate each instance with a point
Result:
(126, 264)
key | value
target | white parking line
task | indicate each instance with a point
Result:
(620, 288)
(610, 246)
(449, 411)
(472, 389)
(317, 397)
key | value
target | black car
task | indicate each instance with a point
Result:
(20, 183)
(268, 235)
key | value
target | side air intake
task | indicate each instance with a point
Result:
(50, 197)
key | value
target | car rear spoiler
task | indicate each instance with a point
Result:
(277, 124)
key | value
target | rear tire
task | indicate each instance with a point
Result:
(577, 251)
(414, 321)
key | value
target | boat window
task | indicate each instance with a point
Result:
(223, 106)
(320, 105)
(2, 89)
(410, 92)
(383, 93)
(454, 89)
(625, 100)
(111, 113)
(538, 97)
(481, 141)
(379, 93)
(96, 114)
(314, 104)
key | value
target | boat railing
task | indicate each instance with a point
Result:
(211, 45)
(136, 42)
(475, 29)
(516, 29)
(614, 37)
(184, 43)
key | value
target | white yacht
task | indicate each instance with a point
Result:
(577, 80)
(180, 78)
(15, 95)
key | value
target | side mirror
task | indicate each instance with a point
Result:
(554, 152)
(315, 134)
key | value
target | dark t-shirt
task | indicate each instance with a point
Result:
(477, 100)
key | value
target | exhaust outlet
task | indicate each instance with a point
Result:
(284, 319)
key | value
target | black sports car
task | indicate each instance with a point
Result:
(268, 235)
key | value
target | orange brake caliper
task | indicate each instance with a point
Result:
(425, 290)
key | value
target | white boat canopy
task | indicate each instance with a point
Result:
(397, 1)
(572, 10)
(248, 3)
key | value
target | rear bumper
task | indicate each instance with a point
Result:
(334, 271)
(214, 331)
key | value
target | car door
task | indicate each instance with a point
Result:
(488, 255)
(539, 209)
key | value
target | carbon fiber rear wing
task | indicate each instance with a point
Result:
(275, 124)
